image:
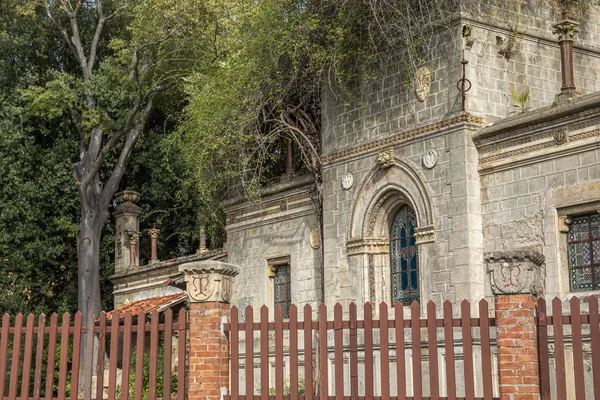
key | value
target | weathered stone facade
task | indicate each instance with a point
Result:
(482, 180)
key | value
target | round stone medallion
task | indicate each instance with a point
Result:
(430, 158)
(347, 180)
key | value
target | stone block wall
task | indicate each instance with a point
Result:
(528, 178)
(451, 264)
(279, 226)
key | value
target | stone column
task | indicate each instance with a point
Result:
(153, 250)
(127, 219)
(209, 287)
(133, 256)
(517, 279)
(566, 30)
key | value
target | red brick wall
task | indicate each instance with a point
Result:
(518, 363)
(208, 351)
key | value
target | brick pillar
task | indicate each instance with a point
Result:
(517, 278)
(209, 285)
(518, 363)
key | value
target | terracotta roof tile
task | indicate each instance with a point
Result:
(148, 305)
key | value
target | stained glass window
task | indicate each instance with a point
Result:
(584, 252)
(282, 284)
(404, 257)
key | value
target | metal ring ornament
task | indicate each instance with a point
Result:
(460, 87)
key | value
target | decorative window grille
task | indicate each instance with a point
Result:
(584, 252)
(404, 257)
(282, 285)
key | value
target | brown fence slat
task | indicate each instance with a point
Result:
(89, 357)
(16, 353)
(75, 359)
(278, 352)
(449, 348)
(235, 354)
(308, 367)
(400, 359)
(415, 314)
(4, 351)
(264, 353)
(543, 350)
(139, 356)
(293, 352)
(486, 357)
(559, 349)
(51, 355)
(25, 379)
(64, 355)
(323, 378)
(434, 381)
(465, 311)
(249, 350)
(182, 352)
(154, 316)
(353, 352)
(37, 377)
(577, 348)
(168, 350)
(127, 323)
(369, 389)
(112, 358)
(384, 355)
(338, 351)
(595, 342)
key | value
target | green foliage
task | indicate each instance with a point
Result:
(286, 388)
(146, 376)
(521, 98)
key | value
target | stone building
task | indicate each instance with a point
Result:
(422, 185)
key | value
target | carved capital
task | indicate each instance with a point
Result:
(566, 30)
(425, 234)
(368, 246)
(208, 281)
(516, 272)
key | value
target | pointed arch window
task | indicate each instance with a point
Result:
(404, 257)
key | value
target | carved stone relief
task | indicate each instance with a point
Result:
(422, 83)
(347, 180)
(516, 272)
(209, 281)
(430, 158)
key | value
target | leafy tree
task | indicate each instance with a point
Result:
(125, 59)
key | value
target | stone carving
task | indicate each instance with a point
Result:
(430, 158)
(208, 281)
(566, 30)
(560, 136)
(425, 234)
(315, 239)
(563, 224)
(368, 246)
(422, 83)
(516, 272)
(347, 180)
(385, 159)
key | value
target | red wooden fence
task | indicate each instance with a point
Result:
(42, 360)
(571, 337)
(350, 337)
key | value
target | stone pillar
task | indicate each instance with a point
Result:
(209, 287)
(127, 219)
(133, 243)
(153, 250)
(517, 278)
(566, 30)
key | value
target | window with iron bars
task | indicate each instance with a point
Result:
(583, 247)
(282, 286)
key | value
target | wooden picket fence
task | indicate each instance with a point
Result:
(577, 334)
(30, 353)
(428, 339)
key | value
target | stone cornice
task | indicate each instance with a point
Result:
(271, 191)
(405, 135)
